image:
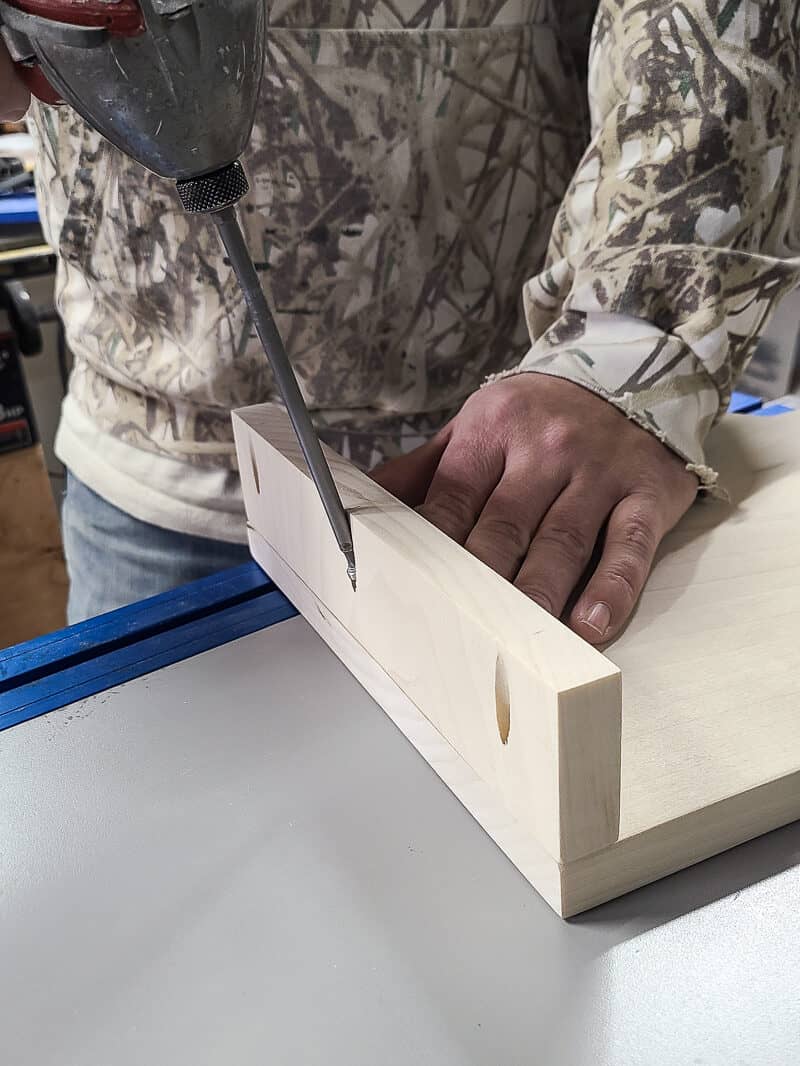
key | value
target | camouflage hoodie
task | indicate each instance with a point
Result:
(408, 163)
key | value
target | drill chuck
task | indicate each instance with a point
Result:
(214, 192)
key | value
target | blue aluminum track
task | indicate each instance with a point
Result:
(71, 664)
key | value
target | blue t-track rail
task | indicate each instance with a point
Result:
(60, 668)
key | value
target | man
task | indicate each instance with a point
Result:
(408, 162)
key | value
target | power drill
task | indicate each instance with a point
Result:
(174, 85)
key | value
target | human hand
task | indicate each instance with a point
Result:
(14, 97)
(536, 472)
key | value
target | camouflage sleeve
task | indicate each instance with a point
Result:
(675, 239)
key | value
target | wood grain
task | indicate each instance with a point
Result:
(451, 634)
(711, 660)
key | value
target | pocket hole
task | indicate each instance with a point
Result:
(502, 700)
(255, 469)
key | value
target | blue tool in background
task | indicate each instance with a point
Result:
(18, 209)
(17, 200)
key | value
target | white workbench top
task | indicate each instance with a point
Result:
(239, 860)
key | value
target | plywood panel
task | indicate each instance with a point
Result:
(711, 660)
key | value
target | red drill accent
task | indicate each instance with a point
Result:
(122, 19)
(37, 84)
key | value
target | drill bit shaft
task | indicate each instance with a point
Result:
(242, 263)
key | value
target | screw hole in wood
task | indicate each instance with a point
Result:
(502, 700)
(255, 469)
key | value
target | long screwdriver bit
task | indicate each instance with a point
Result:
(242, 263)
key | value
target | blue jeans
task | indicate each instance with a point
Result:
(114, 559)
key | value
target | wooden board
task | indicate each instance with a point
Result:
(33, 576)
(530, 706)
(711, 662)
(694, 768)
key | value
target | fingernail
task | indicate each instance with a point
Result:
(599, 618)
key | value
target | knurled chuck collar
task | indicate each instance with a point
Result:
(215, 191)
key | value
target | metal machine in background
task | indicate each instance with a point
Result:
(17, 423)
(23, 338)
(30, 389)
(774, 369)
(173, 84)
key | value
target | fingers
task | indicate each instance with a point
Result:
(563, 544)
(409, 476)
(635, 529)
(504, 531)
(464, 480)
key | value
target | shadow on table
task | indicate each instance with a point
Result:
(708, 882)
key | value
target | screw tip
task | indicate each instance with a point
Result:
(350, 556)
